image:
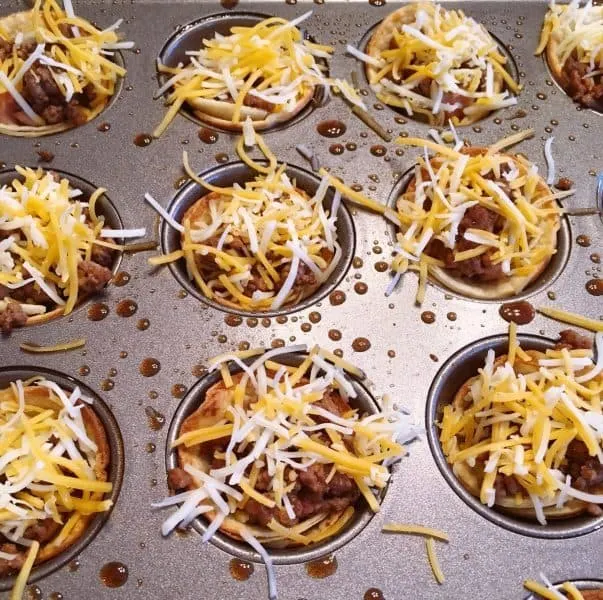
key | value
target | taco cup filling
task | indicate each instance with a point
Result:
(261, 246)
(56, 70)
(51, 252)
(482, 222)
(54, 472)
(526, 433)
(438, 65)
(572, 37)
(282, 454)
(267, 72)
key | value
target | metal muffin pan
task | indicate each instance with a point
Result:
(116, 466)
(300, 554)
(483, 561)
(239, 172)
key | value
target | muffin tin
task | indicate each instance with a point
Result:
(171, 334)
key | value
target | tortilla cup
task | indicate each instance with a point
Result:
(196, 212)
(41, 397)
(210, 412)
(219, 113)
(504, 288)
(471, 477)
(23, 22)
(380, 41)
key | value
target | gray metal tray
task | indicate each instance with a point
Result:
(483, 560)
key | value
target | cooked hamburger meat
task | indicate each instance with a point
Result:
(101, 255)
(311, 496)
(45, 97)
(452, 98)
(30, 294)
(479, 268)
(179, 480)
(12, 316)
(8, 567)
(588, 91)
(43, 531)
(586, 472)
(92, 277)
(6, 49)
(333, 402)
(568, 338)
(506, 486)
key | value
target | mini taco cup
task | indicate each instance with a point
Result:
(41, 397)
(471, 478)
(211, 410)
(24, 23)
(512, 285)
(382, 38)
(196, 212)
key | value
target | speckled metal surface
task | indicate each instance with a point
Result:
(482, 561)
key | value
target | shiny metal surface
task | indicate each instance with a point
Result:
(483, 561)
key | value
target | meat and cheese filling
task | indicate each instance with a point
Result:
(267, 72)
(56, 70)
(526, 433)
(438, 65)
(50, 252)
(53, 472)
(281, 455)
(261, 246)
(572, 36)
(482, 222)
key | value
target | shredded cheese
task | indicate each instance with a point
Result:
(441, 65)
(262, 73)
(19, 588)
(576, 30)
(415, 529)
(51, 234)
(521, 415)
(72, 50)
(48, 465)
(281, 421)
(571, 318)
(61, 347)
(433, 560)
(260, 246)
(447, 185)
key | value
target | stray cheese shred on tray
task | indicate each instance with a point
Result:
(279, 455)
